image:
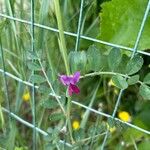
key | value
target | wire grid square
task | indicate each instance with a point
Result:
(78, 37)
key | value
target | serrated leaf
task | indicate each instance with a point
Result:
(49, 103)
(147, 79)
(134, 65)
(133, 80)
(34, 66)
(37, 79)
(77, 61)
(114, 58)
(56, 117)
(121, 21)
(145, 91)
(120, 82)
(94, 59)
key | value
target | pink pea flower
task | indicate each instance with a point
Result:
(70, 82)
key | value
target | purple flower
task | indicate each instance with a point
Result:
(70, 82)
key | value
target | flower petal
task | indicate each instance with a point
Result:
(65, 80)
(70, 91)
(75, 77)
(73, 89)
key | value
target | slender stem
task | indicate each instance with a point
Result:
(33, 88)
(79, 26)
(113, 115)
(108, 73)
(5, 80)
(2, 119)
(87, 112)
(134, 143)
(102, 73)
(63, 48)
(50, 85)
(68, 121)
(94, 132)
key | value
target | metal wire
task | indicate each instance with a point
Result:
(16, 117)
(74, 34)
(78, 36)
(75, 102)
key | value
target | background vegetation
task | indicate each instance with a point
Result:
(104, 71)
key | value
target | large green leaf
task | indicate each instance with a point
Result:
(56, 116)
(114, 58)
(49, 103)
(134, 65)
(133, 80)
(144, 145)
(120, 82)
(123, 63)
(131, 132)
(33, 66)
(94, 59)
(145, 91)
(37, 79)
(147, 79)
(121, 20)
(77, 61)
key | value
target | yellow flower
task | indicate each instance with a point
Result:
(26, 96)
(124, 116)
(111, 129)
(75, 125)
(111, 83)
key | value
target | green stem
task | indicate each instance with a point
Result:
(87, 112)
(63, 50)
(68, 121)
(107, 73)
(34, 138)
(5, 80)
(62, 42)
(2, 119)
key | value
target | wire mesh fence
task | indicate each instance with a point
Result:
(78, 37)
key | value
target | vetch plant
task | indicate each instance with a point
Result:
(111, 80)
(70, 82)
